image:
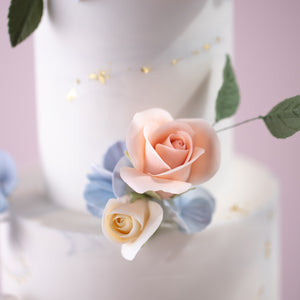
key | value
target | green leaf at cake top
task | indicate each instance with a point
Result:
(229, 96)
(284, 119)
(23, 18)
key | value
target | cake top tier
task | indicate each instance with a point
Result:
(136, 30)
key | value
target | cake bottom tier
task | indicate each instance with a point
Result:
(50, 253)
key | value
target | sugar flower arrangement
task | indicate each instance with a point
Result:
(155, 175)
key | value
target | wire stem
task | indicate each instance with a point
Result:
(238, 124)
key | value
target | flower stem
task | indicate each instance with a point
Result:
(238, 124)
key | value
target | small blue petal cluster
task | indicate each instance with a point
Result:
(8, 179)
(191, 211)
(100, 188)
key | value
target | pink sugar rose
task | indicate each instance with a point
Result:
(169, 156)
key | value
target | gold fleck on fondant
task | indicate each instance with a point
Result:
(218, 39)
(237, 209)
(72, 94)
(103, 76)
(206, 46)
(196, 52)
(93, 76)
(267, 249)
(174, 61)
(77, 81)
(146, 70)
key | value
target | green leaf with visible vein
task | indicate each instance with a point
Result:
(284, 119)
(24, 17)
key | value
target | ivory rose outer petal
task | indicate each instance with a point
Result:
(208, 164)
(141, 182)
(111, 205)
(135, 140)
(130, 250)
(136, 210)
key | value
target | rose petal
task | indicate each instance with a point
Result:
(205, 137)
(135, 210)
(110, 206)
(135, 140)
(182, 172)
(173, 157)
(162, 132)
(141, 182)
(154, 164)
(130, 250)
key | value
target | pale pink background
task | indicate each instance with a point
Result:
(267, 60)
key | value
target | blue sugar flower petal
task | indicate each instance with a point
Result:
(192, 211)
(99, 174)
(120, 188)
(100, 187)
(96, 195)
(8, 174)
(3, 204)
(113, 155)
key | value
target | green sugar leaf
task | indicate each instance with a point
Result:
(284, 119)
(229, 96)
(24, 17)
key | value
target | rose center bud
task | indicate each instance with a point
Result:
(174, 150)
(178, 143)
(121, 224)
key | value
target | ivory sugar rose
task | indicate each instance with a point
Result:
(131, 224)
(169, 156)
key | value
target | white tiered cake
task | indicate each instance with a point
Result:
(97, 63)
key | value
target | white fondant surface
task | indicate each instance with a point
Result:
(120, 37)
(52, 253)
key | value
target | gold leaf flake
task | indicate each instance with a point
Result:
(196, 52)
(174, 61)
(267, 249)
(206, 46)
(237, 209)
(77, 81)
(218, 39)
(103, 77)
(93, 76)
(72, 94)
(145, 70)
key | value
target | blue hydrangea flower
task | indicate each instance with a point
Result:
(100, 187)
(8, 179)
(191, 211)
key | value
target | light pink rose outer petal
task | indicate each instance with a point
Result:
(173, 157)
(208, 163)
(130, 250)
(141, 182)
(135, 140)
(183, 172)
(154, 164)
